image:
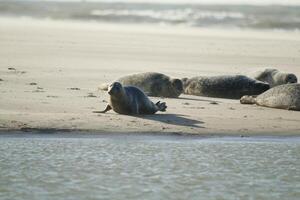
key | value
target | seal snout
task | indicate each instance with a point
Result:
(178, 85)
(291, 78)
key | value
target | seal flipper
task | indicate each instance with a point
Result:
(161, 106)
(248, 100)
(293, 107)
(108, 108)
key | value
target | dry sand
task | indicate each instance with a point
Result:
(55, 68)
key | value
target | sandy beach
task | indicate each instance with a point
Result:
(50, 72)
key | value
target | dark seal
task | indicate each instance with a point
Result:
(231, 87)
(131, 101)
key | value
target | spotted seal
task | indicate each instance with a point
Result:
(275, 77)
(152, 83)
(283, 96)
(131, 100)
(227, 86)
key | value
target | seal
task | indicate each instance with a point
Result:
(275, 77)
(153, 84)
(283, 97)
(130, 101)
(229, 86)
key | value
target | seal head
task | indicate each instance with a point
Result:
(115, 90)
(291, 78)
(176, 87)
(275, 77)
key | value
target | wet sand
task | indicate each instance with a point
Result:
(50, 71)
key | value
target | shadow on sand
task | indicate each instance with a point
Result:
(173, 119)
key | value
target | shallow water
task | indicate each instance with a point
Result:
(52, 166)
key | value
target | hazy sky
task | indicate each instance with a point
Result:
(255, 2)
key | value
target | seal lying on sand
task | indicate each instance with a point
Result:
(153, 84)
(232, 87)
(283, 96)
(130, 101)
(275, 77)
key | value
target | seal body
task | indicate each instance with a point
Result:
(232, 87)
(131, 101)
(274, 77)
(153, 84)
(283, 96)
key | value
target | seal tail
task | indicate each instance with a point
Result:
(161, 106)
(248, 100)
(103, 86)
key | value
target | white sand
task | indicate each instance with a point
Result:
(62, 55)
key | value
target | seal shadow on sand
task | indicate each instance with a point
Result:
(174, 119)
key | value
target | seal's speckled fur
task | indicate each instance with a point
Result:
(283, 96)
(274, 77)
(153, 84)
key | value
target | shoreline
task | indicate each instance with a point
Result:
(97, 132)
(172, 136)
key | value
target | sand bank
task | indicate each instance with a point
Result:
(55, 68)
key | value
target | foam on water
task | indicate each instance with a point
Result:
(196, 15)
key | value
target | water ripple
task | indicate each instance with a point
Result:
(147, 168)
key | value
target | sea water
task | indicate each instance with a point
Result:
(87, 166)
(240, 14)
